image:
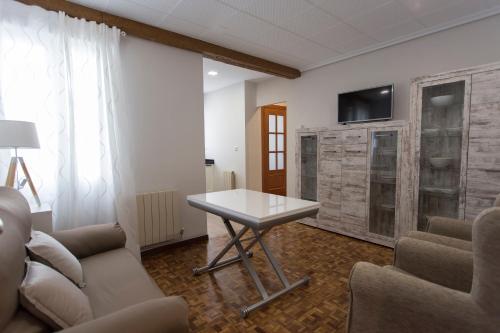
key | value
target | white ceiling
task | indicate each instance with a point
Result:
(301, 33)
(227, 76)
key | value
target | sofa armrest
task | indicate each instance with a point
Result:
(441, 264)
(89, 240)
(450, 227)
(161, 315)
(384, 300)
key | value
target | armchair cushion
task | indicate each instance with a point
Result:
(450, 227)
(87, 241)
(167, 314)
(115, 280)
(444, 265)
(47, 250)
(443, 240)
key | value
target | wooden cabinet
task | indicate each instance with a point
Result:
(352, 201)
(455, 152)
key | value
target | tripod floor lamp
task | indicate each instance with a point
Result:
(14, 135)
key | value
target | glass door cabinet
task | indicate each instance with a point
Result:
(383, 187)
(308, 167)
(442, 136)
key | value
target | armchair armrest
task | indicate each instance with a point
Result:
(89, 240)
(450, 227)
(161, 315)
(384, 300)
(441, 264)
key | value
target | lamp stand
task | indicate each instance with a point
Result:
(11, 176)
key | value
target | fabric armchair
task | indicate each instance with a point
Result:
(444, 265)
(388, 300)
(90, 240)
(450, 227)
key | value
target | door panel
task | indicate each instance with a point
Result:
(274, 149)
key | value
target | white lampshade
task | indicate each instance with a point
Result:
(18, 134)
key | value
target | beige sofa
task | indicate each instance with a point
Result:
(122, 295)
(391, 299)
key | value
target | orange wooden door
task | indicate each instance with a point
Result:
(274, 149)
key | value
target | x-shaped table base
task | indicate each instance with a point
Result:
(244, 254)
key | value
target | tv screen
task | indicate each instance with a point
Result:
(366, 105)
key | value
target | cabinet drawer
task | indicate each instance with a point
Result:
(354, 136)
(354, 157)
(331, 137)
(330, 152)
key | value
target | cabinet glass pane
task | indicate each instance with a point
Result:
(272, 123)
(281, 127)
(308, 168)
(272, 161)
(440, 151)
(383, 172)
(281, 161)
(281, 142)
(272, 142)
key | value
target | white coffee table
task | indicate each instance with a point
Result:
(258, 212)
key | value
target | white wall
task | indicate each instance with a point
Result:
(225, 133)
(164, 92)
(253, 123)
(312, 99)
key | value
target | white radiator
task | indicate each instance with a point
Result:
(158, 217)
(229, 180)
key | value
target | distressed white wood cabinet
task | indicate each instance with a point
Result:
(354, 171)
(377, 181)
(455, 144)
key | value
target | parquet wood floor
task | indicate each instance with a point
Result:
(215, 298)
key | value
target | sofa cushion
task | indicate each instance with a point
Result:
(116, 280)
(52, 298)
(16, 217)
(50, 252)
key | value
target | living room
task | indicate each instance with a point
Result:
(363, 195)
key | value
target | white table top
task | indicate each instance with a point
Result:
(255, 209)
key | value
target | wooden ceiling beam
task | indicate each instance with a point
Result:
(169, 38)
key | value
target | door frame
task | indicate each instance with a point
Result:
(265, 143)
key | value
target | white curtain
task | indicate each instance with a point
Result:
(64, 74)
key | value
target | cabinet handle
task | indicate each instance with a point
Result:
(330, 151)
(353, 151)
(330, 137)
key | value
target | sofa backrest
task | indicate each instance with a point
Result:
(486, 254)
(16, 217)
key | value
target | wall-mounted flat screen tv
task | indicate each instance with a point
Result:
(366, 105)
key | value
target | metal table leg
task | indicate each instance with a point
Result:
(216, 263)
(243, 255)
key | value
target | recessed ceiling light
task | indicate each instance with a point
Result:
(385, 91)
(213, 73)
